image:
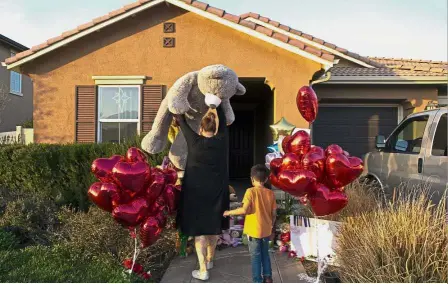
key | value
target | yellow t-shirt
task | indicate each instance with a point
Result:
(261, 201)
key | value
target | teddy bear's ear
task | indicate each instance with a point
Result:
(240, 89)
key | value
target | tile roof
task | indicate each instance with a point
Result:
(410, 64)
(384, 66)
(310, 37)
(198, 4)
(385, 71)
(396, 67)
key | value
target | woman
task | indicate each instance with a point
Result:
(205, 191)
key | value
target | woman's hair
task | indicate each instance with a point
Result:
(208, 123)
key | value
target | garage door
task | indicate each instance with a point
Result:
(353, 127)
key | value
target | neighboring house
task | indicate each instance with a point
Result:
(104, 80)
(19, 107)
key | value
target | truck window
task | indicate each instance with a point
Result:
(408, 137)
(439, 146)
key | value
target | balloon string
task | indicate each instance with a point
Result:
(136, 252)
(316, 227)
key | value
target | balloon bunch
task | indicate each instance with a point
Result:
(309, 172)
(135, 193)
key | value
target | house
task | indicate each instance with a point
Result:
(104, 80)
(17, 89)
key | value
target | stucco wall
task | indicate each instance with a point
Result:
(134, 47)
(19, 108)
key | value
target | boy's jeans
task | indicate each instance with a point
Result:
(259, 253)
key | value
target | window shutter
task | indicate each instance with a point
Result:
(151, 99)
(86, 106)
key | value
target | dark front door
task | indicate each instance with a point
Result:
(241, 145)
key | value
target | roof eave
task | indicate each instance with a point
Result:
(387, 80)
(17, 46)
(14, 65)
(251, 32)
(310, 42)
(180, 4)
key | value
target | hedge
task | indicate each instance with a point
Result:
(59, 172)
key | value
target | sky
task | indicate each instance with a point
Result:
(384, 28)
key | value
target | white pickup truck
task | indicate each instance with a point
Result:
(415, 153)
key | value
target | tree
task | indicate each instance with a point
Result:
(4, 99)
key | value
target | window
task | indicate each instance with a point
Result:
(408, 137)
(15, 81)
(439, 146)
(118, 113)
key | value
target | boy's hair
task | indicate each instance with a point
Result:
(259, 173)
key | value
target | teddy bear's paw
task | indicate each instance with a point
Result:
(153, 144)
(179, 107)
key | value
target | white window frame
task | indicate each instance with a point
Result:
(11, 91)
(138, 120)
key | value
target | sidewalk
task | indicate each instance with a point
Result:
(232, 265)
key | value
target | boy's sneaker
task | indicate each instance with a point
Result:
(200, 275)
(267, 279)
(209, 265)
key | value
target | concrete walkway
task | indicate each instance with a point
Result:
(232, 265)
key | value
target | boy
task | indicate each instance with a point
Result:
(260, 209)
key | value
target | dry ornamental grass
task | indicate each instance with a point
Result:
(405, 240)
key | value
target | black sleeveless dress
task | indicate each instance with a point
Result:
(205, 186)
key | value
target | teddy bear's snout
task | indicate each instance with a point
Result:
(212, 101)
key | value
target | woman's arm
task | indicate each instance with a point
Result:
(222, 120)
(189, 134)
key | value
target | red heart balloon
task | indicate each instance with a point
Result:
(286, 144)
(131, 214)
(102, 167)
(156, 187)
(317, 149)
(158, 206)
(297, 182)
(291, 161)
(104, 195)
(161, 218)
(171, 196)
(334, 149)
(285, 237)
(134, 155)
(276, 165)
(303, 199)
(307, 103)
(132, 176)
(149, 232)
(326, 202)
(300, 143)
(315, 161)
(170, 176)
(346, 153)
(342, 170)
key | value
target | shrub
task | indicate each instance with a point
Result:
(7, 240)
(31, 219)
(60, 263)
(96, 233)
(59, 172)
(405, 240)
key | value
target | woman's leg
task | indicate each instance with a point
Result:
(200, 244)
(211, 246)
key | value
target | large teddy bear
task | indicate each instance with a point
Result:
(192, 94)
